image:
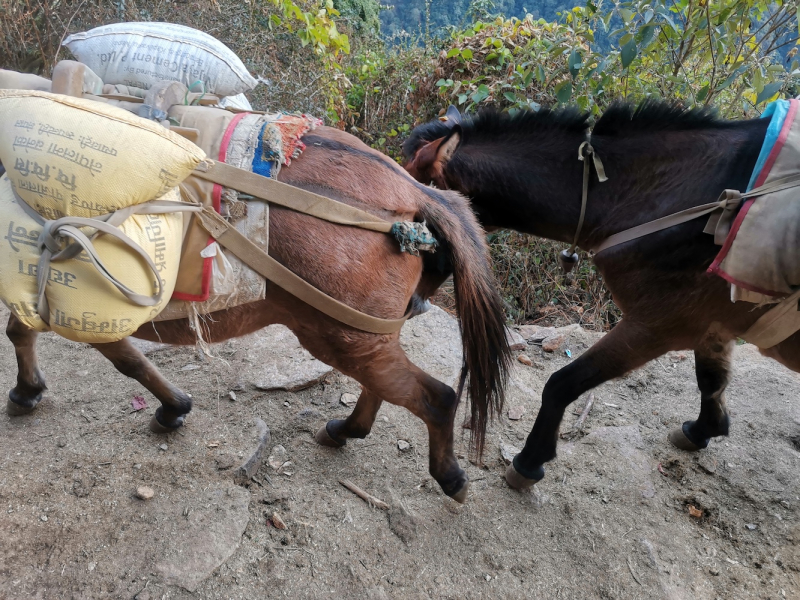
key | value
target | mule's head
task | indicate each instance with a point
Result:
(431, 146)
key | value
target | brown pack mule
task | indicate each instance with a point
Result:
(523, 173)
(365, 270)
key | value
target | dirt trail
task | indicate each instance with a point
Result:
(611, 519)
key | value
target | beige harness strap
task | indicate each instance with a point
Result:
(289, 196)
(729, 199)
(772, 327)
(273, 271)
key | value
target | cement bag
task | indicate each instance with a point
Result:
(142, 54)
(239, 102)
(70, 156)
(83, 305)
(11, 80)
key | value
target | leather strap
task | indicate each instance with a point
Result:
(289, 196)
(728, 201)
(771, 329)
(269, 268)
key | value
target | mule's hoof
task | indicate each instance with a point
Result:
(16, 410)
(157, 427)
(323, 438)
(461, 495)
(517, 480)
(680, 439)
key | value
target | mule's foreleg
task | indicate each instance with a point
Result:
(358, 425)
(175, 403)
(627, 347)
(713, 367)
(24, 397)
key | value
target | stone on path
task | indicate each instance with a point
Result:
(432, 342)
(277, 361)
(515, 340)
(206, 537)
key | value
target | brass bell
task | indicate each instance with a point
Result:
(567, 261)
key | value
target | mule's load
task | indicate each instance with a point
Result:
(143, 54)
(91, 213)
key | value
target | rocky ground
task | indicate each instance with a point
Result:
(621, 514)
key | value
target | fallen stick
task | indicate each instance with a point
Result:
(578, 426)
(579, 423)
(369, 499)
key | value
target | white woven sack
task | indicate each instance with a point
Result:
(142, 54)
(239, 101)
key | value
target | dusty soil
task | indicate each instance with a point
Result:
(610, 520)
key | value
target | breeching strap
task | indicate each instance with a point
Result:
(289, 196)
(269, 268)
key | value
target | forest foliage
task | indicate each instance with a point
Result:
(377, 74)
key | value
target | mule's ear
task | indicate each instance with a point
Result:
(448, 146)
(453, 116)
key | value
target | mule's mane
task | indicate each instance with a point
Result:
(655, 115)
(619, 119)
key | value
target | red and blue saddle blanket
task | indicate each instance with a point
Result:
(760, 255)
(261, 143)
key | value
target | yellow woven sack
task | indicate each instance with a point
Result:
(70, 156)
(83, 305)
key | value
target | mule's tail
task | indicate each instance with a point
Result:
(487, 356)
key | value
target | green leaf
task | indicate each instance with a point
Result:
(510, 97)
(462, 98)
(541, 76)
(564, 91)
(626, 14)
(453, 52)
(701, 95)
(731, 78)
(769, 91)
(645, 35)
(628, 53)
(480, 94)
(466, 54)
(574, 63)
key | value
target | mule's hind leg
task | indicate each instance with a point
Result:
(175, 403)
(626, 347)
(24, 397)
(357, 425)
(712, 367)
(379, 364)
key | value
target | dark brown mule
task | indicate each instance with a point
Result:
(523, 173)
(365, 270)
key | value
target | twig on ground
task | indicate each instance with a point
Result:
(578, 426)
(369, 499)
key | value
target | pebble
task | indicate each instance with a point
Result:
(190, 367)
(44, 518)
(525, 360)
(403, 445)
(61, 443)
(508, 452)
(144, 492)
(552, 343)
(488, 577)
(515, 412)
(164, 447)
(277, 457)
(278, 522)
(751, 526)
(232, 396)
(137, 466)
(348, 399)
